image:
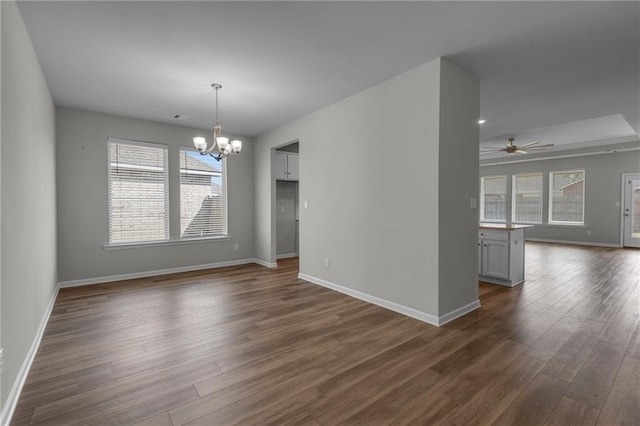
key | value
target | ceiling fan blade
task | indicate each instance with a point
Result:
(541, 146)
(488, 152)
(529, 144)
(520, 151)
(492, 149)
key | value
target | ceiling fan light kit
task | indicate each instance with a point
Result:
(515, 149)
(220, 147)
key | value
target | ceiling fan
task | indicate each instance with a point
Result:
(515, 149)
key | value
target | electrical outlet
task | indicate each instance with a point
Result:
(327, 263)
(1, 359)
(235, 247)
(473, 202)
(589, 232)
(306, 204)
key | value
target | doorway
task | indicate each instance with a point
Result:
(287, 196)
(631, 210)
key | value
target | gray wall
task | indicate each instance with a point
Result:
(28, 195)
(286, 226)
(1, 394)
(458, 183)
(82, 199)
(373, 204)
(602, 191)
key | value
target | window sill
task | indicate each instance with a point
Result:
(563, 225)
(166, 243)
(550, 225)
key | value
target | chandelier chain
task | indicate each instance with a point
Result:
(217, 118)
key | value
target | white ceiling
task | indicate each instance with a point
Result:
(542, 65)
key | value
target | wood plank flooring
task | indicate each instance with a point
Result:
(250, 345)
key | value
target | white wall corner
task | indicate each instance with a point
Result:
(265, 263)
(457, 313)
(401, 309)
(18, 384)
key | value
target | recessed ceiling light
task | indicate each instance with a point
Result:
(482, 121)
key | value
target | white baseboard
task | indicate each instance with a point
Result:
(134, 275)
(265, 263)
(396, 307)
(457, 313)
(578, 243)
(286, 256)
(16, 389)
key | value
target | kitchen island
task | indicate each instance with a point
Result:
(501, 253)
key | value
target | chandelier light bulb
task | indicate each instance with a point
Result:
(236, 146)
(200, 143)
(223, 143)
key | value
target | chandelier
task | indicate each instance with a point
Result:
(220, 147)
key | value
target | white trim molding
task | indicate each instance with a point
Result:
(286, 256)
(143, 244)
(457, 313)
(144, 274)
(576, 243)
(396, 307)
(18, 384)
(265, 263)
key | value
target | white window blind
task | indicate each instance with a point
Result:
(527, 198)
(138, 192)
(203, 204)
(566, 197)
(493, 199)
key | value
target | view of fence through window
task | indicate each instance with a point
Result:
(566, 201)
(202, 196)
(494, 198)
(527, 198)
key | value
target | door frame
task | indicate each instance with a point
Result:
(273, 207)
(623, 186)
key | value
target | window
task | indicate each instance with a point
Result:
(138, 192)
(493, 198)
(566, 197)
(527, 198)
(202, 196)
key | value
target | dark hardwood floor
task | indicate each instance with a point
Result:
(250, 345)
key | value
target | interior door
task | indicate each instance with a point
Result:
(631, 210)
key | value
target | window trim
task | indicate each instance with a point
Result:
(550, 199)
(513, 198)
(506, 191)
(172, 242)
(111, 140)
(225, 235)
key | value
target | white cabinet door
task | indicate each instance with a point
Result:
(286, 166)
(495, 259)
(292, 167)
(281, 165)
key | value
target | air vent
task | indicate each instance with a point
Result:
(180, 117)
